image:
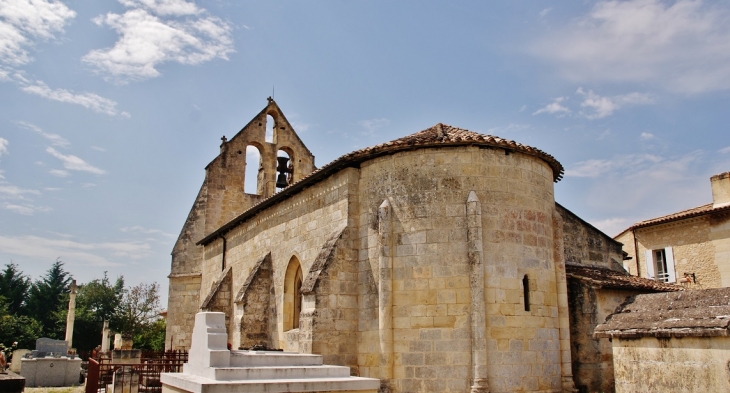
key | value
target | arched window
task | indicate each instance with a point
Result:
(253, 167)
(270, 129)
(292, 294)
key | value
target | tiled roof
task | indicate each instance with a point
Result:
(440, 135)
(702, 313)
(684, 214)
(445, 135)
(606, 278)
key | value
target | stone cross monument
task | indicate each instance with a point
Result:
(71, 314)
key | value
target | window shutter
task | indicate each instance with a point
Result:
(670, 264)
(649, 259)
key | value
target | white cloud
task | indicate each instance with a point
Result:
(725, 150)
(645, 136)
(164, 7)
(545, 12)
(682, 46)
(87, 100)
(3, 146)
(301, 127)
(599, 167)
(613, 226)
(371, 125)
(554, 108)
(24, 21)
(146, 231)
(504, 130)
(25, 209)
(74, 163)
(661, 184)
(56, 140)
(58, 172)
(148, 41)
(15, 192)
(602, 106)
(85, 253)
(97, 148)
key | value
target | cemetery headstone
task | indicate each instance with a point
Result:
(49, 345)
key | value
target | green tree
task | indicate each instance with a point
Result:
(23, 329)
(14, 288)
(152, 337)
(96, 301)
(140, 307)
(48, 297)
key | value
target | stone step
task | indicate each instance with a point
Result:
(192, 383)
(286, 372)
(273, 359)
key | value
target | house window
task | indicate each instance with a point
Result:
(660, 265)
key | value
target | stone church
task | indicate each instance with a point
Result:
(436, 262)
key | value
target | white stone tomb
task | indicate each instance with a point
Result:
(212, 368)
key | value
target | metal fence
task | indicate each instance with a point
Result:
(102, 372)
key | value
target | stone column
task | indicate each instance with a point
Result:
(385, 292)
(105, 337)
(566, 370)
(476, 282)
(71, 315)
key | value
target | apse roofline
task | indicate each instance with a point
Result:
(354, 160)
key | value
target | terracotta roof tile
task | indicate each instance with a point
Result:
(607, 278)
(684, 214)
(703, 313)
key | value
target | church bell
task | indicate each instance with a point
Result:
(283, 170)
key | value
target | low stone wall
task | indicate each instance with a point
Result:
(690, 364)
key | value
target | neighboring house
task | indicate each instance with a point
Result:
(671, 342)
(691, 247)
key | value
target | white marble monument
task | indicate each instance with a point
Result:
(212, 368)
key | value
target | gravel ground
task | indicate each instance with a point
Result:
(75, 389)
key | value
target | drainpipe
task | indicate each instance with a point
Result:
(223, 259)
(636, 252)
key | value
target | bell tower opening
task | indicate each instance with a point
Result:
(284, 169)
(270, 129)
(253, 167)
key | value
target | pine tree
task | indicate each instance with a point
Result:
(14, 288)
(48, 296)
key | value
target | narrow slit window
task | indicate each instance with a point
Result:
(526, 291)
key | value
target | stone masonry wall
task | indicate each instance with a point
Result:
(183, 304)
(334, 318)
(720, 237)
(690, 364)
(592, 357)
(297, 227)
(587, 245)
(255, 328)
(432, 340)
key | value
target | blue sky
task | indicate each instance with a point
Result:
(110, 110)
